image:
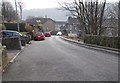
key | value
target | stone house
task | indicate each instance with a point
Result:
(59, 24)
(47, 23)
(71, 26)
(110, 27)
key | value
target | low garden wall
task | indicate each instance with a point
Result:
(4, 56)
(113, 42)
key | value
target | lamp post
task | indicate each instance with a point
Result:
(18, 23)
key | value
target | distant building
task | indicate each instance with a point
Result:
(59, 24)
(47, 23)
(71, 27)
(110, 27)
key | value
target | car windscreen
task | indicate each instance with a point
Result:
(7, 34)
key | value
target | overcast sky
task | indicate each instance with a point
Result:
(32, 4)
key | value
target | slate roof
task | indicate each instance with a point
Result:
(33, 21)
(61, 22)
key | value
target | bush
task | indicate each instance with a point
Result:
(24, 33)
(23, 42)
(28, 28)
(113, 42)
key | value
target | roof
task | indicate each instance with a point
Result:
(72, 20)
(61, 22)
(33, 21)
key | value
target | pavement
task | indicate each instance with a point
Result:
(12, 55)
(57, 60)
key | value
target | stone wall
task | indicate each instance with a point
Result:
(3, 57)
(11, 43)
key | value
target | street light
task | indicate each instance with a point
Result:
(18, 23)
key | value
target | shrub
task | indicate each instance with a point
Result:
(28, 28)
(24, 33)
(23, 42)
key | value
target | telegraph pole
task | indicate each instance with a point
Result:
(18, 23)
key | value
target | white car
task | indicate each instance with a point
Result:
(59, 33)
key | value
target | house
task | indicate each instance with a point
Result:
(72, 26)
(110, 27)
(47, 23)
(59, 24)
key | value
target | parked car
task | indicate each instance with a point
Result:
(59, 33)
(47, 34)
(10, 33)
(39, 36)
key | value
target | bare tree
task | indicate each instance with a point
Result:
(89, 13)
(111, 11)
(119, 18)
(101, 17)
(8, 11)
(111, 17)
(21, 6)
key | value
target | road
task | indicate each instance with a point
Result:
(57, 60)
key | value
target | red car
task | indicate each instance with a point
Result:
(47, 34)
(39, 36)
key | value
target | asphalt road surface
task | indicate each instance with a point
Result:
(57, 60)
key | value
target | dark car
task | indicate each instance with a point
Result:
(10, 33)
(47, 34)
(39, 36)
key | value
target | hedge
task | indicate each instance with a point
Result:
(113, 42)
(13, 26)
